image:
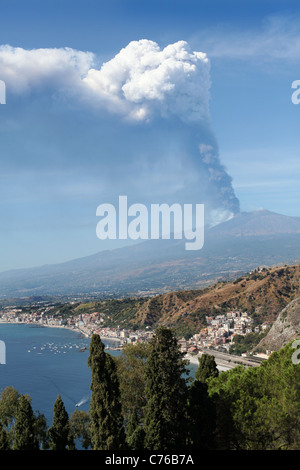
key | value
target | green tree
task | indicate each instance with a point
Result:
(207, 368)
(224, 391)
(80, 427)
(9, 402)
(166, 393)
(107, 430)
(40, 430)
(59, 432)
(8, 409)
(201, 417)
(131, 373)
(259, 408)
(8, 406)
(4, 443)
(135, 434)
(24, 437)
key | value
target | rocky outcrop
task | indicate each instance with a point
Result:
(285, 329)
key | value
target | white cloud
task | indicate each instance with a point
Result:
(139, 81)
(24, 70)
(142, 79)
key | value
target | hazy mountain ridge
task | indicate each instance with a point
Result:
(231, 248)
(256, 223)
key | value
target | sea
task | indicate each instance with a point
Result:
(45, 362)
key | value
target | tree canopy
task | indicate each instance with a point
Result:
(166, 393)
(145, 399)
(107, 427)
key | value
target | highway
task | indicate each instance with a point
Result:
(230, 360)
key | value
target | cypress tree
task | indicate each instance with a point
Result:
(59, 433)
(207, 368)
(135, 433)
(166, 394)
(201, 409)
(201, 417)
(25, 438)
(107, 432)
(4, 444)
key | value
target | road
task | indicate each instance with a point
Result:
(230, 360)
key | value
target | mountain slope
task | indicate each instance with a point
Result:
(156, 266)
(258, 223)
(263, 294)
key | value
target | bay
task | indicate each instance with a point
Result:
(44, 362)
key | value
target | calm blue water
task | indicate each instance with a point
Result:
(45, 362)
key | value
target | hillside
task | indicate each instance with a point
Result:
(262, 293)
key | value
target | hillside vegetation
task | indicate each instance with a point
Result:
(262, 293)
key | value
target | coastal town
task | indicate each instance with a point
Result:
(218, 334)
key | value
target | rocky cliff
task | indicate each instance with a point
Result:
(285, 329)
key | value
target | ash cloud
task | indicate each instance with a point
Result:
(154, 103)
(168, 91)
(25, 71)
(143, 81)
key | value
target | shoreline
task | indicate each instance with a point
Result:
(193, 360)
(77, 330)
(66, 327)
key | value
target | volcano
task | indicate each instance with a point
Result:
(246, 241)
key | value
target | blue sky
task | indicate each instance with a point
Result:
(62, 152)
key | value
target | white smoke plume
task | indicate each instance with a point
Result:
(142, 80)
(24, 70)
(139, 81)
(167, 88)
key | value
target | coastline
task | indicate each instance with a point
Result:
(77, 330)
(193, 360)
(71, 328)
